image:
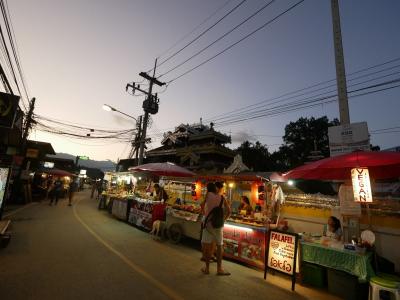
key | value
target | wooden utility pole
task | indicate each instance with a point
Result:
(28, 124)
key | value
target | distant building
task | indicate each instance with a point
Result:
(197, 147)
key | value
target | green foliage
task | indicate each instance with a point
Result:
(301, 137)
(255, 156)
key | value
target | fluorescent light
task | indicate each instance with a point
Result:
(238, 227)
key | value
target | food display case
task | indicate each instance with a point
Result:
(245, 240)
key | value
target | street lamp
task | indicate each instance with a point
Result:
(110, 108)
(138, 135)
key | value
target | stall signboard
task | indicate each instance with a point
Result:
(245, 244)
(361, 185)
(348, 138)
(48, 164)
(282, 254)
(141, 213)
(3, 183)
(32, 153)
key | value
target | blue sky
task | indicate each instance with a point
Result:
(77, 55)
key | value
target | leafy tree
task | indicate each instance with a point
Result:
(301, 138)
(255, 156)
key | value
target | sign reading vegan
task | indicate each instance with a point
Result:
(361, 185)
(8, 107)
(282, 254)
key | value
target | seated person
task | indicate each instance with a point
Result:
(333, 229)
(245, 205)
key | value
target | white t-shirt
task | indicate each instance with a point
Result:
(212, 200)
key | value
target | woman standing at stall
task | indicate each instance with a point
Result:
(216, 210)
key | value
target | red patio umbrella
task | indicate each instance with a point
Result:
(163, 169)
(381, 165)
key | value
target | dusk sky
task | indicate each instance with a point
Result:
(79, 54)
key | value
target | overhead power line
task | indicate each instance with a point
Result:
(193, 30)
(237, 42)
(307, 90)
(301, 105)
(219, 39)
(201, 34)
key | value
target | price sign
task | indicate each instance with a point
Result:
(282, 254)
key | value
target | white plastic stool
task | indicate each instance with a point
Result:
(379, 284)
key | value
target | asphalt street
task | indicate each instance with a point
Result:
(80, 252)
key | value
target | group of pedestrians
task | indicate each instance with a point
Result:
(55, 190)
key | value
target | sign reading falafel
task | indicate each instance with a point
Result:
(282, 252)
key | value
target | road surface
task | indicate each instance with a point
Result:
(79, 252)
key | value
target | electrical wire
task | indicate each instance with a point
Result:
(274, 111)
(250, 111)
(13, 43)
(294, 94)
(219, 39)
(202, 33)
(237, 42)
(193, 30)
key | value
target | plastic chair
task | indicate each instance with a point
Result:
(384, 282)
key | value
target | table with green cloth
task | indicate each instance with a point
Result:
(359, 265)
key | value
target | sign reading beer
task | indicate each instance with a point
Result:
(361, 185)
(282, 254)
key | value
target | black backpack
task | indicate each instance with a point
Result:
(216, 215)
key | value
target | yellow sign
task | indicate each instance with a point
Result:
(361, 185)
(32, 153)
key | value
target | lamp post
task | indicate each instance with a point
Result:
(110, 108)
(138, 126)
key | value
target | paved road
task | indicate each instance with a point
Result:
(79, 252)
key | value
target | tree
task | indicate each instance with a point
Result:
(255, 156)
(302, 137)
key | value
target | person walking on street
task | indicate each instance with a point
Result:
(216, 210)
(56, 191)
(71, 191)
(94, 185)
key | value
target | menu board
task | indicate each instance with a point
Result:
(282, 253)
(3, 183)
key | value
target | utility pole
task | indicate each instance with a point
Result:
(136, 142)
(150, 105)
(28, 124)
(340, 69)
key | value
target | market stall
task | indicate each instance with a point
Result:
(244, 233)
(147, 206)
(118, 194)
(357, 182)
